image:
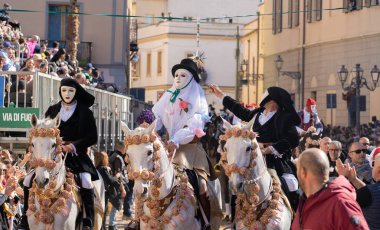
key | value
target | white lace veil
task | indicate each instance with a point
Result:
(170, 113)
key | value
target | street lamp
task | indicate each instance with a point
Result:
(358, 82)
(246, 77)
(296, 75)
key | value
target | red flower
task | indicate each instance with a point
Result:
(184, 105)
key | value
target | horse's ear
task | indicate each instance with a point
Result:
(57, 120)
(151, 127)
(34, 120)
(124, 128)
(250, 123)
(226, 124)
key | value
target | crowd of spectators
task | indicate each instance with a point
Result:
(346, 135)
(30, 54)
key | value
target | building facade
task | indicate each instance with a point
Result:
(107, 35)
(164, 42)
(314, 39)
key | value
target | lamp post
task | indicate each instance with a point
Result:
(245, 76)
(357, 82)
(296, 75)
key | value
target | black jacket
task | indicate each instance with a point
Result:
(112, 186)
(280, 130)
(80, 130)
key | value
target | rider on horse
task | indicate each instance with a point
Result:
(78, 131)
(183, 111)
(276, 121)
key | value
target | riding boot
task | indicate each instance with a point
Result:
(205, 203)
(24, 218)
(88, 204)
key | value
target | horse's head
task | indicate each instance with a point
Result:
(239, 154)
(44, 142)
(141, 153)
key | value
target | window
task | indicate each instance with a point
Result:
(351, 5)
(294, 13)
(313, 95)
(277, 16)
(314, 10)
(309, 10)
(159, 63)
(318, 10)
(57, 27)
(148, 64)
(149, 19)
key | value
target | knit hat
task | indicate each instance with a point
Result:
(310, 102)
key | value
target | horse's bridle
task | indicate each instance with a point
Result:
(49, 164)
(244, 171)
(146, 174)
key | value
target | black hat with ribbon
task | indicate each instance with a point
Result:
(283, 100)
(189, 65)
(81, 95)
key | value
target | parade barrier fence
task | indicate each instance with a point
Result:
(16, 109)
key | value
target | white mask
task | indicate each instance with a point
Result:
(68, 93)
(181, 78)
(313, 108)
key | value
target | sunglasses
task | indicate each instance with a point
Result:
(365, 144)
(358, 151)
(335, 150)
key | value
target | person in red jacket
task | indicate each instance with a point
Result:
(325, 204)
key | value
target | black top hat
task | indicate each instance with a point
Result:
(81, 95)
(188, 65)
(283, 100)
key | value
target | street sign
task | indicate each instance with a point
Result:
(362, 103)
(17, 117)
(331, 101)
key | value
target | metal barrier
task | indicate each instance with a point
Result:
(109, 108)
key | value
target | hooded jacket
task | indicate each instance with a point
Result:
(333, 207)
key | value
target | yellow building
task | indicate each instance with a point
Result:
(251, 64)
(315, 44)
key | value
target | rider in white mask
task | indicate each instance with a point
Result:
(78, 131)
(183, 111)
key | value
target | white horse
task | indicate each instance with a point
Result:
(164, 198)
(53, 198)
(260, 203)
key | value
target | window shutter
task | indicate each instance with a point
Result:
(296, 9)
(359, 4)
(279, 16)
(274, 13)
(309, 11)
(290, 14)
(345, 6)
(318, 11)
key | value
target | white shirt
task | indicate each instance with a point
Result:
(67, 111)
(264, 118)
(306, 116)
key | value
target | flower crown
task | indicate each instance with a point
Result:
(237, 132)
(138, 139)
(44, 132)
